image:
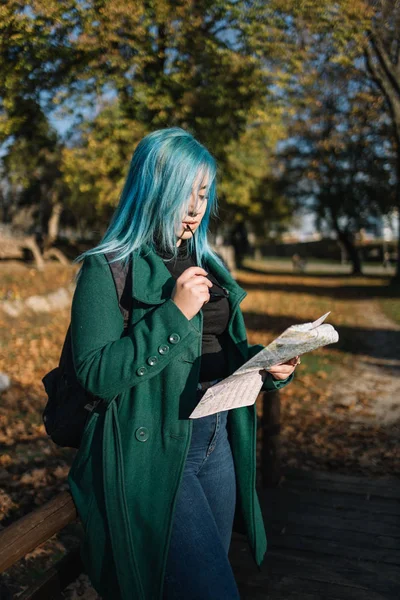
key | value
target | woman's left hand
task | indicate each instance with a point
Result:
(285, 369)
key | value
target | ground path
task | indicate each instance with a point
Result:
(330, 537)
(353, 410)
(375, 376)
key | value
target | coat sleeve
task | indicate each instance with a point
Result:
(106, 363)
(270, 383)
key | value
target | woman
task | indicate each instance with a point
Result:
(156, 491)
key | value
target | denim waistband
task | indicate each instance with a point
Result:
(212, 382)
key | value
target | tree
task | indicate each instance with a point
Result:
(382, 54)
(147, 65)
(31, 167)
(94, 167)
(34, 57)
(250, 181)
(340, 157)
(366, 35)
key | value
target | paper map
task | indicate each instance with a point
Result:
(243, 386)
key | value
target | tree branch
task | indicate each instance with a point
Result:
(384, 59)
(380, 75)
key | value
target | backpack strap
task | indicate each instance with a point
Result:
(122, 275)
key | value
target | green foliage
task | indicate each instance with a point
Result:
(241, 76)
(363, 42)
(130, 67)
(94, 169)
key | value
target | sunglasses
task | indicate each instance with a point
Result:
(225, 292)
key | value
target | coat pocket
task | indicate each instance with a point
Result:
(84, 470)
(86, 440)
(186, 359)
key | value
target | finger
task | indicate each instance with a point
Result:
(281, 375)
(199, 280)
(191, 272)
(281, 369)
(292, 361)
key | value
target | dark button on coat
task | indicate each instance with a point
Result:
(125, 490)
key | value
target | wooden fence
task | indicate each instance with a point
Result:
(28, 532)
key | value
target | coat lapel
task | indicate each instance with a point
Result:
(152, 282)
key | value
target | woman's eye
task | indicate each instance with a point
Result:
(203, 197)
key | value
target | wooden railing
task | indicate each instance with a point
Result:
(33, 529)
(28, 533)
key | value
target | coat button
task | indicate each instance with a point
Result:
(142, 434)
(163, 349)
(174, 338)
(141, 371)
(152, 360)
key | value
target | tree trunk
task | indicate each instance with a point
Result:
(346, 240)
(53, 225)
(343, 254)
(397, 274)
(395, 110)
(386, 76)
(352, 252)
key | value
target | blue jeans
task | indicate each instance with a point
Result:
(198, 567)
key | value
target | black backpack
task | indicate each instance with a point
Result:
(69, 404)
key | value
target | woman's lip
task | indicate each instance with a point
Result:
(185, 223)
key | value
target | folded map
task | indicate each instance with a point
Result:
(242, 387)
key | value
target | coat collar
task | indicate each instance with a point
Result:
(152, 283)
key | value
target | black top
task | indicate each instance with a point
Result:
(215, 318)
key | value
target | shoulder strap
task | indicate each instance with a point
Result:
(122, 275)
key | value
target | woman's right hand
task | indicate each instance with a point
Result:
(190, 292)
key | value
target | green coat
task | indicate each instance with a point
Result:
(125, 476)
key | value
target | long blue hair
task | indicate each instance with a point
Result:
(156, 194)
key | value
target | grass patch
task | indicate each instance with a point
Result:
(391, 308)
(314, 363)
(390, 305)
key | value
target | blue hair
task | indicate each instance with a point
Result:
(156, 194)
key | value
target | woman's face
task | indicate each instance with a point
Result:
(197, 208)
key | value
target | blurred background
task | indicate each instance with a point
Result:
(300, 104)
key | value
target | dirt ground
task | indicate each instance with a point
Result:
(375, 377)
(341, 413)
